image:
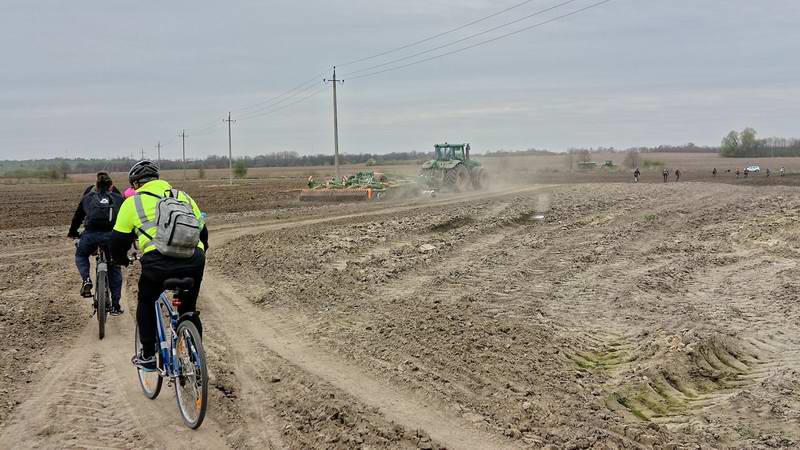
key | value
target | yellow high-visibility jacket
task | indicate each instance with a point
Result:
(138, 213)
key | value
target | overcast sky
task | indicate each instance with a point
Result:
(96, 78)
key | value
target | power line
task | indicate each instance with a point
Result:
(266, 113)
(288, 94)
(207, 130)
(304, 84)
(457, 41)
(477, 44)
(273, 106)
(435, 36)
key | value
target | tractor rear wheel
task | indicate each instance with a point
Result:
(480, 179)
(457, 178)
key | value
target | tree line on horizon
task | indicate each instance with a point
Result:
(734, 145)
(745, 144)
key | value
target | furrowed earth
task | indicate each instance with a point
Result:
(591, 315)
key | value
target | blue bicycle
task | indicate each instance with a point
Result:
(181, 358)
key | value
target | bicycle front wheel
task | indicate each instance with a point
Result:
(101, 301)
(149, 381)
(191, 388)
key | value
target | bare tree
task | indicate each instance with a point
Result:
(631, 159)
(569, 160)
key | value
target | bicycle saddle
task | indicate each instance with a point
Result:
(183, 284)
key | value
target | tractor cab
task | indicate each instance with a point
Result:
(452, 152)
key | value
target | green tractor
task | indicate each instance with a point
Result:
(453, 169)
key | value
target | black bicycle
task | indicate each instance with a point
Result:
(102, 292)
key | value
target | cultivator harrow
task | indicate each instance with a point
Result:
(362, 186)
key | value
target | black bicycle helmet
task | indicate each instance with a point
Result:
(142, 171)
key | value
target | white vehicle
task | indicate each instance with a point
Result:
(752, 169)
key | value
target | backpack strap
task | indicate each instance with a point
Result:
(146, 223)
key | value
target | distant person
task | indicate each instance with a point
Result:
(783, 171)
(677, 174)
(636, 174)
(665, 173)
(714, 172)
(767, 172)
(737, 173)
(746, 172)
(97, 211)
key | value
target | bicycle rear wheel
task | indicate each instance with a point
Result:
(191, 388)
(101, 301)
(149, 381)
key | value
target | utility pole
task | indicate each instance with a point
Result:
(142, 153)
(159, 154)
(230, 153)
(183, 144)
(334, 81)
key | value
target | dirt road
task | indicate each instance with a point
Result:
(634, 316)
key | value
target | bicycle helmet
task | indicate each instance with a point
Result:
(142, 171)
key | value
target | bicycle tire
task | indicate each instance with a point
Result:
(101, 301)
(190, 353)
(150, 382)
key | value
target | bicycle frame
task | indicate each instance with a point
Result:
(168, 349)
(170, 366)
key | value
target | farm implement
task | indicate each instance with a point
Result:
(362, 186)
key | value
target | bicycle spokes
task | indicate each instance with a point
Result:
(190, 381)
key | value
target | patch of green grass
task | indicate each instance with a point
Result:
(649, 216)
(628, 404)
(649, 163)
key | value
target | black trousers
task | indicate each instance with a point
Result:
(156, 268)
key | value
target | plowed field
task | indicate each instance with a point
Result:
(598, 315)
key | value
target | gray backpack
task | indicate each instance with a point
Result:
(177, 228)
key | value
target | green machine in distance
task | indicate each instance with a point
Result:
(452, 169)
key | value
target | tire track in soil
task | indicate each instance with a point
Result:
(91, 398)
(759, 349)
(86, 404)
(285, 338)
(732, 295)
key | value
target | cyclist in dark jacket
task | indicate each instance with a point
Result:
(97, 211)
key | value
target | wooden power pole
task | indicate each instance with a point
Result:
(183, 146)
(334, 82)
(230, 152)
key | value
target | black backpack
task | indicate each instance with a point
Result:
(101, 212)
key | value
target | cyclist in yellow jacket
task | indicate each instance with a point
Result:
(137, 221)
